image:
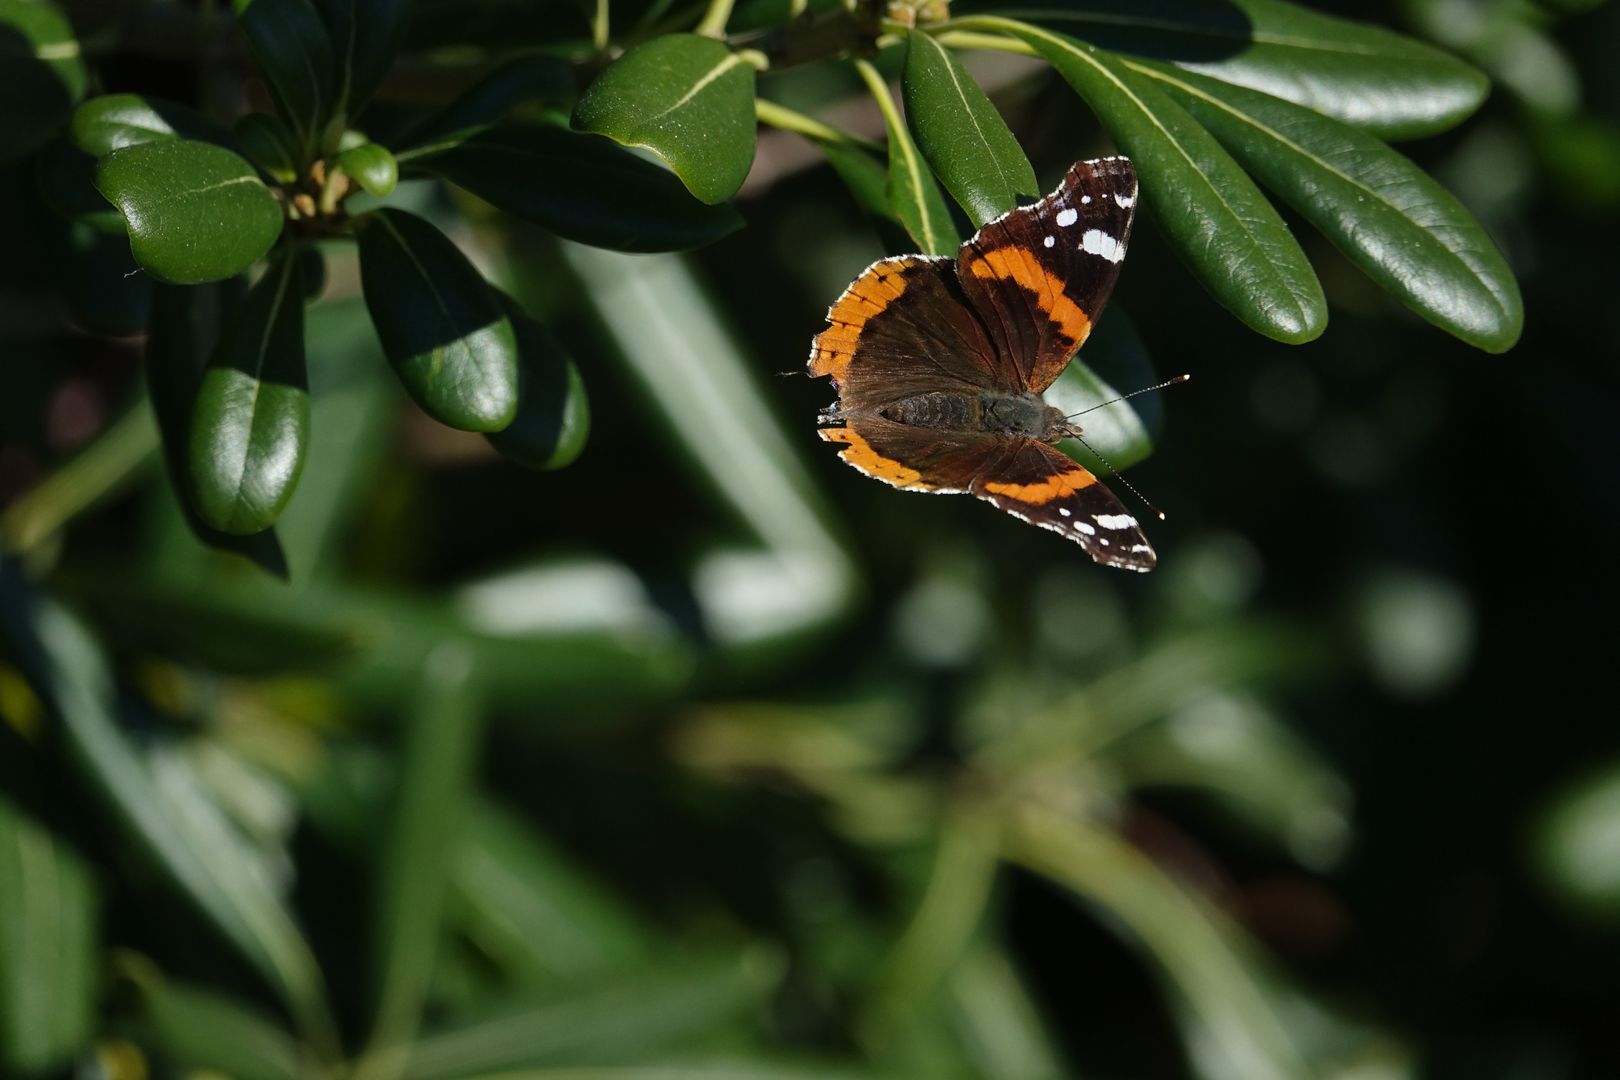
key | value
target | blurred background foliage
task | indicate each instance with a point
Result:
(707, 757)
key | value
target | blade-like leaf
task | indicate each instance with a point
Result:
(184, 327)
(113, 121)
(294, 51)
(1116, 432)
(554, 416)
(1388, 217)
(250, 426)
(453, 348)
(687, 98)
(543, 79)
(365, 35)
(1387, 83)
(195, 212)
(204, 1029)
(912, 195)
(436, 764)
(582, 187)
(41, 75)
(1219, 222)
(267, 141)
(48, 945)
(959, 131)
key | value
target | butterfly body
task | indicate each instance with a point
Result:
(940, 363)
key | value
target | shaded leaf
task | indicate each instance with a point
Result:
(1387, 83)
(582, 187)
(543, 79)
(554, 416)
(371, 166)
(365, 35)
(1222, 226)
(687, 98)
(961, 134)
(910, 191)
(294, 51)
(250, 426)
(1388, 216)
(66, 177)
(195, 212)
(453, 348)
(49, 939)
(41, 75)
(113, 121)
(265, 140)
(105, 291)
(204, 1029)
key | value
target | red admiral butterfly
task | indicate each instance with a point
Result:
(940, 363)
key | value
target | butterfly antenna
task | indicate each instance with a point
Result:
(1114, 474)
(1133, 393)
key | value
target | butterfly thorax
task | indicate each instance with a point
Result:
(1015, 413)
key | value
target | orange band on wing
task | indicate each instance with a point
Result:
(1054, 487)
(877, 288)
(859, 453)
(1015, 265)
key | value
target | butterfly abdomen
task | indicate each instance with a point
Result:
(942, 410)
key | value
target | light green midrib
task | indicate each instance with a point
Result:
(967, 106)
(900, 142)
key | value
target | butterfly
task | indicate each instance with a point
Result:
(940, 362)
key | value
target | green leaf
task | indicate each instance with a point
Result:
(1385, 82)
(66, 177)
(688, 99)
(436, 766)
(265, 140)
(49, 940)
(195, 212)
(554, 416)
(371, 166)
(1384, 213)
(189, 841)
(250, 427)
(1118, 433)
(365, 35)
(184, 327)
(205, 1029)
(440, 326)
(291, 46)
(41, 75)
(961, 134)
(582, 187)
(1227, 232)
(114, 121)
(542, 79)
(912, 195)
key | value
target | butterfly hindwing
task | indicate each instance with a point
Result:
(917, 459)
(1039, 275)
(1045, 487)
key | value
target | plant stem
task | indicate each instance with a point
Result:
(947, 34)
(715, 19)
(785, 119)
(599, 26)
(880, 93)
(97, 471)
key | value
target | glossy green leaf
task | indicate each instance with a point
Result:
(582, 187)
(437, 762)
(528, 79)
(191, 844)
(371, 166)
(195, 212)
(114, 121)
(1388, 216)
(250, 426)
(265, 140)
(49, 938)
(910, 190)
(185, 325)
(206, 1029)
(554, 416)
(959, 131)
(294, 51)
(1227, 232)
(365, 35)
(687, 98)
(41, 75)
(1387, 83)
(66, 177)
(449, 341)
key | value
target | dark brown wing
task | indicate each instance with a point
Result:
(913, 458)
(1038, 484)
(1039, 275)
(903, 327)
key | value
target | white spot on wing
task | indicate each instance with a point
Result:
(1127, 201)
(1050, 240)
(1084, 199)
(1068, 217)
(1064, 510)
(1116, 521)
(1096, 242)
(1081, 526)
